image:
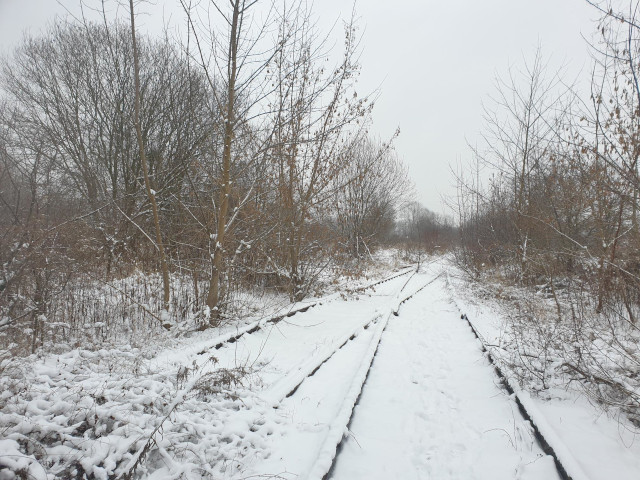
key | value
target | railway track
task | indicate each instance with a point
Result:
(286, 392)
(324, 465)
(291, 382)
(232, 337)
(566, 466)
(193, 371)
(198, 360)
(286, 387)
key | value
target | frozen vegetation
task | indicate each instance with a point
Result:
(345, 386)
(211, 268)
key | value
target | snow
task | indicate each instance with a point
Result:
(295, 399)
(281, 388)
(99, 412)
(14, 460)
(337, 430)
(602, 446)
(432, 405)
(590, 444)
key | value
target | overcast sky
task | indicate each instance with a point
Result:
(434, 62)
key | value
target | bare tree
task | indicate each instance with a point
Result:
(71, 152)
(369, 192)
(234, 63)
(319, 117)
(151, 194)
(566, 180)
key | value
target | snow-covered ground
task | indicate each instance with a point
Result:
(592, 444)
(431, 407)
(282, 400)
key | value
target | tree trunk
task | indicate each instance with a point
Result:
(213, 296)
(145, 170)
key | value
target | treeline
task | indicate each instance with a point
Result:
(552, 203)
(237, 159)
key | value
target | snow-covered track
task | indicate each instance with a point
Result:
(396, 311)
(567, 467)
(404, 271)
(290, 382)
(231, 337)
(287, 384)
(194, 359)
(324, 463)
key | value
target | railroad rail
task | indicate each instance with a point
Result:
(566, 466)
(324, 465)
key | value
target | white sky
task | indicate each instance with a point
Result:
(434, 62)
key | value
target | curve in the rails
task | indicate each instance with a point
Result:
(289, 383)
(202, 351)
